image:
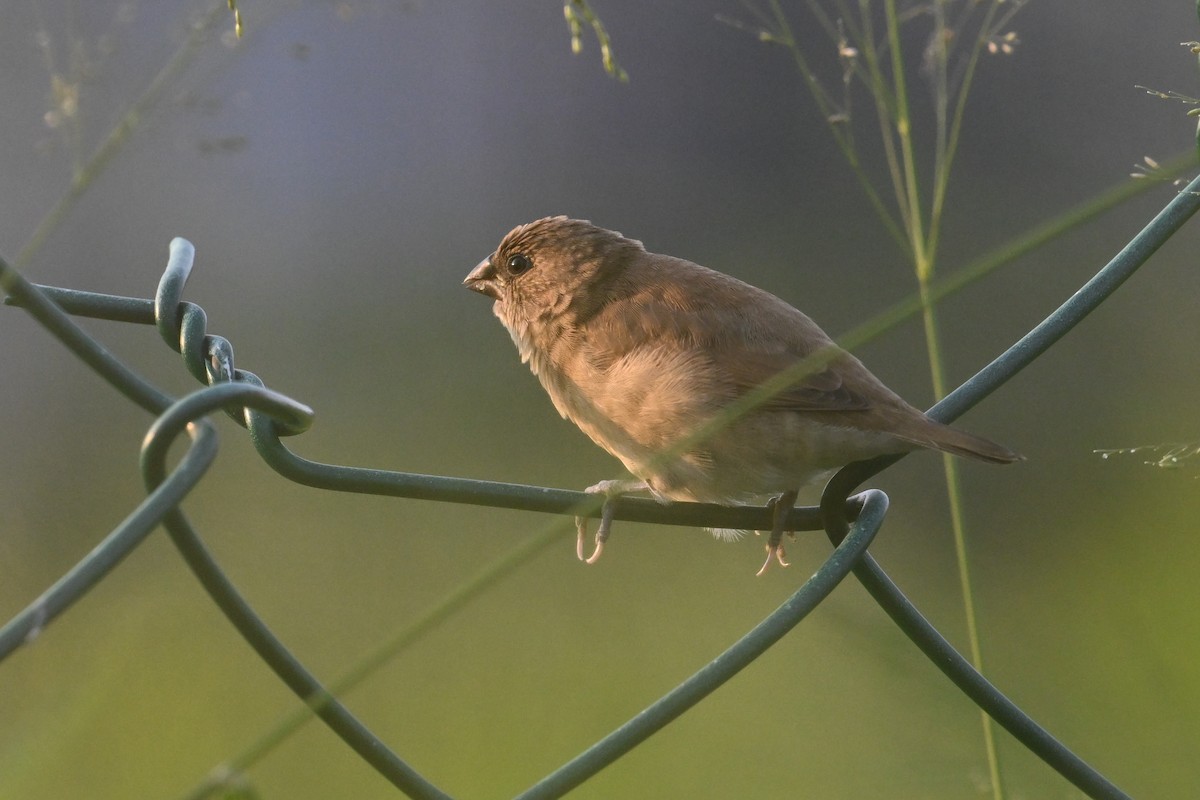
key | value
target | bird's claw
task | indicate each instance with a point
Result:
(581, 526)
(780, 508)
(611, 490)
(775, 552)
(580, 535)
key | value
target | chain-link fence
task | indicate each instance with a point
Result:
(850, 522)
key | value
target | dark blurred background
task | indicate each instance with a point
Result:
(342, 167)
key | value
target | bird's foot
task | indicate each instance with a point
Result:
(775, 552)
(780, 508)
(611, 490)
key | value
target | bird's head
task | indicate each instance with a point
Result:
(549, 267)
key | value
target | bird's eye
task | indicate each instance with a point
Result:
(519, 263)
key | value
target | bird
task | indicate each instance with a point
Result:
(650, 356)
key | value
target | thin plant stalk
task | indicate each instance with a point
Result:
(879, 62)
(86, 172)
(924, 247)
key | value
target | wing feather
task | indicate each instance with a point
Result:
(746, 335)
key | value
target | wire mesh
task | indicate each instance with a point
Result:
(850, 522)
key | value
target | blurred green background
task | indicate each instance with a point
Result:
(342, 168)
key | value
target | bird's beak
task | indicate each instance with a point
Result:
(482, 279)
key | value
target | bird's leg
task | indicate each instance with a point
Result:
(780, 508)
(610, 490)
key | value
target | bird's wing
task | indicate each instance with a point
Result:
(747, 340)
(815, 388)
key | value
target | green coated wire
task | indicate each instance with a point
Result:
(286, 416)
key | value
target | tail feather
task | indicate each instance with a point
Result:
(960, 443)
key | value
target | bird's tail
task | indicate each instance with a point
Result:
(960, 443)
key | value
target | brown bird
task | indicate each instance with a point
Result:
(644, 352)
